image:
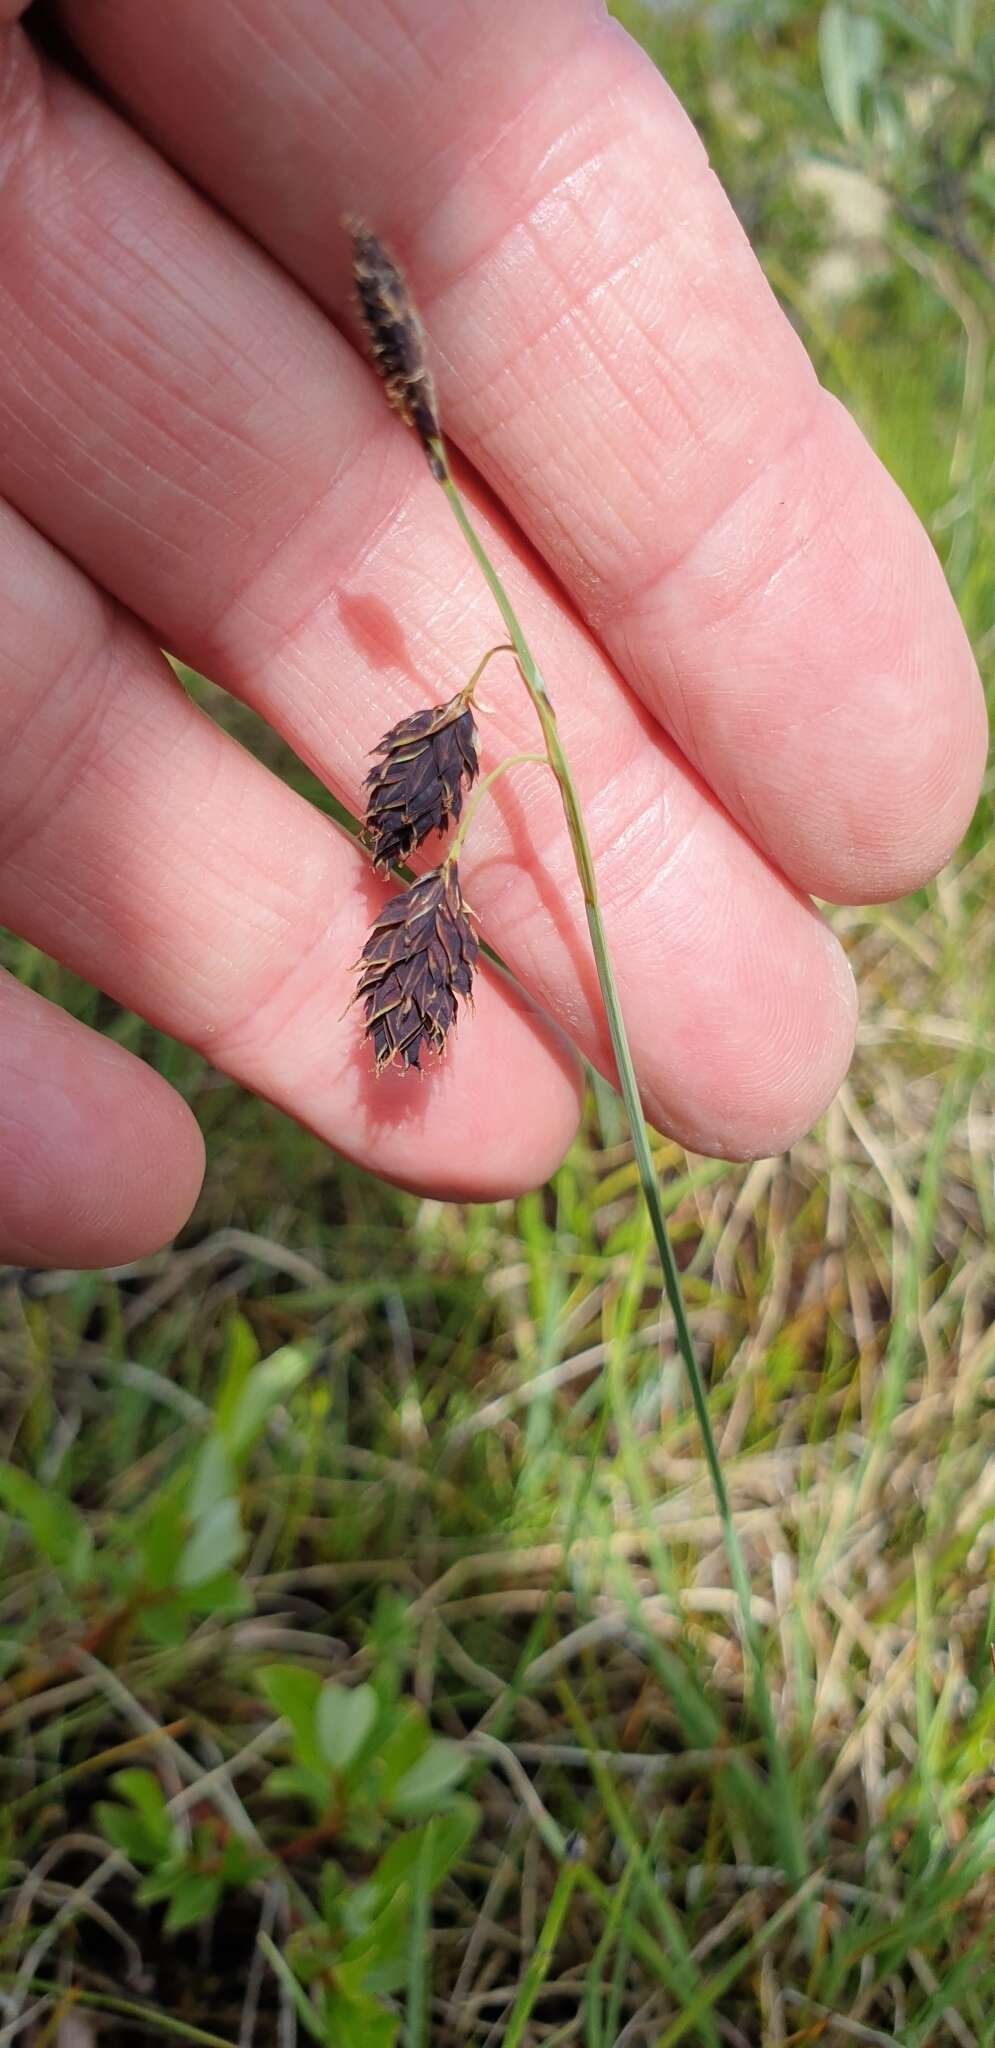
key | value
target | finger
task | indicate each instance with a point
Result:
(100, 1161)
(615, 365)
(191, 430)
(145, 849)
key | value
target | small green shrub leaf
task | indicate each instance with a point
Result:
(214, 1543)
(295, 1781)
(144, 1792)
(345, 1719)
(157, 1538)
(378, 1958)
(169, 1621)
(408, 1740)
(224, 1595)
(429, 1780)
(295, 1692)
(56, 1529)
(129, 1833)
(850, 55)
(213, 1479)
(448, 1834)
(195, 1898)
(358, 2023)
(265, 1387)
(161, 1882)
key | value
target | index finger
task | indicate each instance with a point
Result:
(614, 363)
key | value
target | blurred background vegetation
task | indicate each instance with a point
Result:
(369, 1670)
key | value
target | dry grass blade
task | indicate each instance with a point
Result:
(418, 960)
(427, 761)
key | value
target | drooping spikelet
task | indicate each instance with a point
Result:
(397, 341)
(427, 761)
(418, 959)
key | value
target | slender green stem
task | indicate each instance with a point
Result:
(419, 1944)
(503, 647)
(455, 847)
(102, 2001)
(545, 1949)
(780, 1780)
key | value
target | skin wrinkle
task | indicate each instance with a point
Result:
(729, 596)
(682, 726)
(445, 606)
(69, 904)
(366, 114)
(22, 105)
(522, 101)
(238, 610)
(626, 791)
(423, 228)
(732, 592)
(447, 276)
(257, 1028)
(34, 400)
(237, 601)
(253, 1031)
(630, 897)
(29, 799)
(243, 25)
(186, 409)
(27, 391)
(153, 385)
(625, 614)
(401, 45)
(545, 469)
(638, 911)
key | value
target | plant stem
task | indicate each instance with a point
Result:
(545, 1949)
(101, 2001)
(503, 647)
(455, 847)
(780, 1779)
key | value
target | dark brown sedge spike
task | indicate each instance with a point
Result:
(397, 342)
(418, 960)
(427, 761)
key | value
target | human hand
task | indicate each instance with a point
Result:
(761, 679)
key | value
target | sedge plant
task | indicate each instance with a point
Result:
(419, 960)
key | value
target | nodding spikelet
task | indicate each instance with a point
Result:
(396, 340)
(427, 761)
(418, 960)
